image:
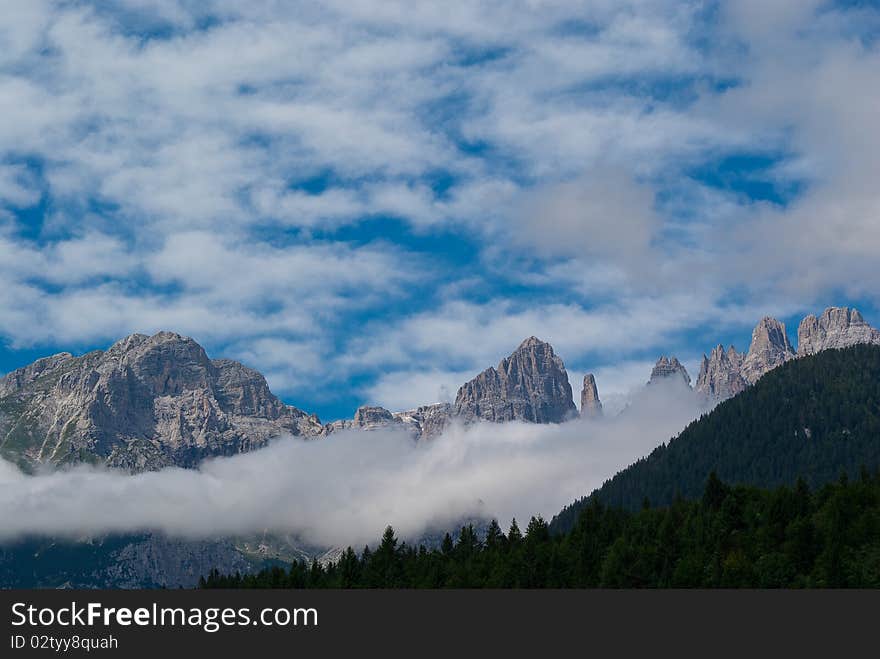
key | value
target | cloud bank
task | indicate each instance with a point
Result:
(345, 489)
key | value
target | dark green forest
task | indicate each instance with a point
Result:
(810, 418)
(732, 536)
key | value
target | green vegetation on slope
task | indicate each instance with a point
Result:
(813, 417)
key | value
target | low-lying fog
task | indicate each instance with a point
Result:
(347, 488)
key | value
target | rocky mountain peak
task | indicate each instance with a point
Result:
(769, 348)
(591, 406)
(532, 354)
(720, 376)
(168, 363)
(837, 327)
(667, 367)
(144, 403)
(529, 385)
(532, 342)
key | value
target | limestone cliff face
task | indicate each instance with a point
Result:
(529, 385)
(724, 374)
(669, 367)
(145, 403)
(769, 348)
(837, 327)
(720, 374)
(27, 375)
(591, 406)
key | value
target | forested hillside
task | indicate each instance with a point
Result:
(811, 418)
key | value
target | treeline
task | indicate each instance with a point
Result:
(730, 537)
(812, 417)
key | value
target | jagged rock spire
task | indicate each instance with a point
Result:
(720, 376)
(769, 348)
(591, 406)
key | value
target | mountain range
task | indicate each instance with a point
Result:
(148, 402)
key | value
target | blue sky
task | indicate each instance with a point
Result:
(372, 201)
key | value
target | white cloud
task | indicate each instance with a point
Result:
(605, 215)
(217, 267)
(481, 334)
(406, 389)
(812, 88)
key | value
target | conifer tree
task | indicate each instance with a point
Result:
(447, 545)
(514, 536)
(494, 536)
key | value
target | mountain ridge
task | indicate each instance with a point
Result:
(726, 374)
(148, 402)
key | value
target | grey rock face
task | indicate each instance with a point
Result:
(837, 327)
(769, 348)
(428, 420)
(145, 403)
(366, 417)
(669, 368)
(371, 417)
(720, 377)
(530, 385)
(425, 421)
(591, 406)
(29, 374)
(723, 375)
